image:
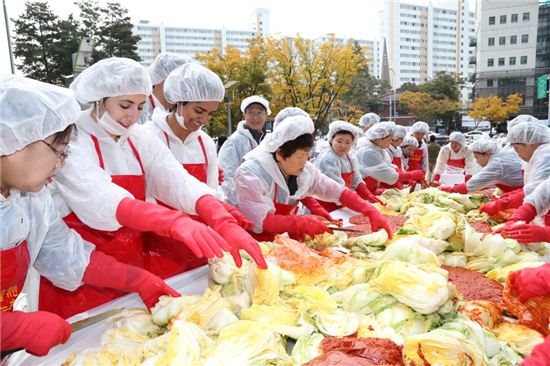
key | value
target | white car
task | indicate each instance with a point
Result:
(475, 134)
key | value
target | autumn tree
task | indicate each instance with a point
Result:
(311, 75)
(495, 109)
(249, 69)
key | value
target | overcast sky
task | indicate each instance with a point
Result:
(346, 18)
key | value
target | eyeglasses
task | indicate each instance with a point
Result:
(61, 155)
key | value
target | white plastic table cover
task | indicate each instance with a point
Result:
(192, 282)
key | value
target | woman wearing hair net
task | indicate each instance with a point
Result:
(375, 161)
(395, 152)
(36, 122)
(337, 164)
(117, 164)
(454, 158)
(419, 160)
(277, 174)
(158, 71)
(500, 168)
(408, 148)
(531, 143)
(365, 122)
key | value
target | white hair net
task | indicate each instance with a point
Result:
(289, 129)
(287, 112)
(31, 110)
(529, 133)
(338, 126)
(369, 119)
(420, 127)
(164, 64)
(458, 137)
(400, 133)
(111, 77)
(522, 118)
(381, 130)
(193, 83)
(255, 99)
(410, 141)
(484, 145)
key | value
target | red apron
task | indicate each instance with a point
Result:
(415, 161)
(397, 162)
(163, 249)
(152, 101)
(280, 209)
(15, 265)
(124, 244)
(457, 163)
(348, 182)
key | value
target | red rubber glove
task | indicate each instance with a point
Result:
(531, 282)
(457, 188)
(467, 178)
(315, 207)
(366, 194)
(510, 200)
(413, 175)
(146, 216)
(447, 189)
(297, 226)
(351, 200)
(540, 356)
(436, 178)
(215, 214)
(36, 332)
(238, 215)
(105, 271)
(525, 212)
(526, 233)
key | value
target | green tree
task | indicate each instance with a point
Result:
(110, 28)
(494, 109)
(408, 86)
(44, 44)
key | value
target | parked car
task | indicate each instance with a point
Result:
(475, 134)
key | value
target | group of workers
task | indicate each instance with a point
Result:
(111, 186)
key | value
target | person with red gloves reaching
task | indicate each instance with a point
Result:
(500, 168)
(454, 158)
(375, 162)
(532, 282)
(277, 174)
(36, 123)
(116, 169)
(337, 163)
(531, 143)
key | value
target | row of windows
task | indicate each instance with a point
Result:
(511, 61)
(412, 40)
(437, 49)
(449, 20)
(414, 24)
(412, 48)
(447, 35)
(411, 55)
(408, 63)
(445, 27)
(408, 31)
(513, 40)
(445, 58)
(412, 7)
(178, 44)
(414, 16)
(197, 38)
(451, 66)
(405, 71)
(508, 82)
(450, 43)
(513, 18)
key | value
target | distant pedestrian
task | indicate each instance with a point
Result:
(433, 152)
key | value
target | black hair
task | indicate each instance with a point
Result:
(432, 138)
(343, 132)
(62, 137)
(302, 142)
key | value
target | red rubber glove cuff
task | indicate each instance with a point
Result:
(460, 188)
(436, 177)
(37, 332)
(467, 178)
(525, 212)
(238, 215)
(531, 282)
(296, 226)
(363, 192)
(351, 200)
(315, 207)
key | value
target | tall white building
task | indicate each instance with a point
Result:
(157, 38)
(506, 48)
(422, 40)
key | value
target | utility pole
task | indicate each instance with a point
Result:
(7, 20)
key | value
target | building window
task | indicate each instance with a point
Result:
(513, 39)
(502, 41)
(525, 17)
(491, 41)
(512, 61)
(491, 62)
(503, 19)
(514, 18)
(489, 83)
(524, 38)
(523, 60)
(501, 61)
(491, 20)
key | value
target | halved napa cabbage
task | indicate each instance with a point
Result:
(337, 323)
(281, 319)
(407, 250)
(186, 342)
(521, 338)
(423, 290)
(307, 348)
(363, 299)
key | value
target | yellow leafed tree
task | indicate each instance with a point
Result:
(494, 109)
